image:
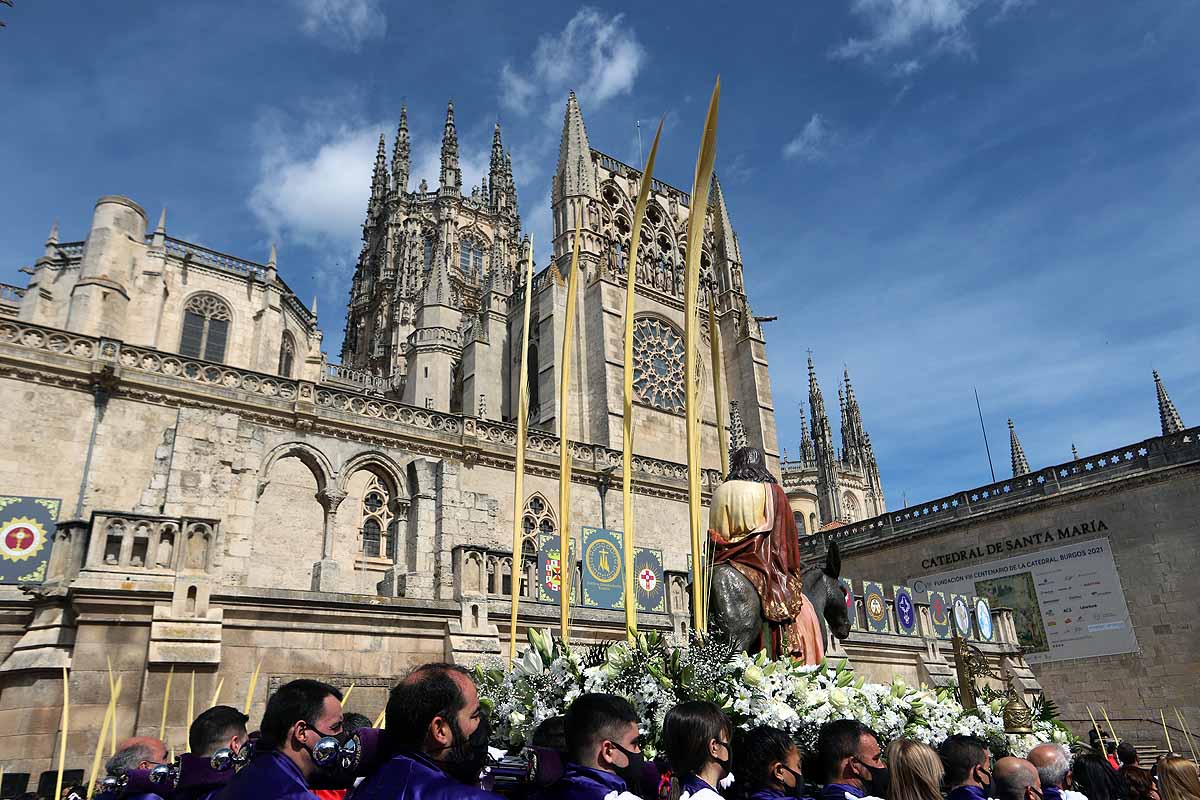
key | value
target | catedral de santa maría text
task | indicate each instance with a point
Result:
(521, 519)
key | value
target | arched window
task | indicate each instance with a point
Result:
(850, 508)
(537, 519)
(535, 400)
(205, 328)
(379, 526)
(456, 388)
(800, 526)
(470, 257)
(428, 252)
(812, 522)
(287, 355)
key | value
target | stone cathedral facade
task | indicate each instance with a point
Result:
(229, 496)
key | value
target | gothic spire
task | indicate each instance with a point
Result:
(271, 259)
(401, 154)
(1020, 464)
(1167, 415)
(807, 455)
(451, 178)
(52, 241)
(828, 494)
(723, 234)
(1074, 452)
(379, 176)
(496, 163)
(313, 309)
(574, 175)
(737, 429)
(160, 231)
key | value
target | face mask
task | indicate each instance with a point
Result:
(985, 777)
(466, 758)
(877, 784)
(797, 788)
(723, 763)
(631, 773)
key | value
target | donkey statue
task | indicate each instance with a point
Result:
(736, 611)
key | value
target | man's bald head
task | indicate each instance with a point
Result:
(1052, 764)
(1015, 779)
(137, 752)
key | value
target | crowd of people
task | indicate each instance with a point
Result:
(435, 746)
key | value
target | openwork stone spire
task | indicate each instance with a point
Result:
(379, 176)
(1167, 415)
(1020, 464)
(808, 456)
(401, 154)
(451, 178)
(737, 430)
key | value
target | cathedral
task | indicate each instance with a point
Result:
(226, 495)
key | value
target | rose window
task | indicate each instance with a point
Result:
(658, 365)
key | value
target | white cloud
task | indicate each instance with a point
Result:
(812, 143)
(597, 55)
(898, 28)
(315, 175)
(314, 185)
(343, 24)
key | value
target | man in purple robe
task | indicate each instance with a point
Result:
(851, 758)
(968, 763)
(218, 727)
(134, 757)
(604, 753)
(298, 716)
(437, 735)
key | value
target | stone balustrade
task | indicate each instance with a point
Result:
(480, 571)
(147, 544)
(923, 518)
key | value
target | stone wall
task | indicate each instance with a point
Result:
(1150, 520)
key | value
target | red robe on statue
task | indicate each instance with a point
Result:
(767, 552)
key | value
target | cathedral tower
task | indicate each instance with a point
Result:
(425, 319)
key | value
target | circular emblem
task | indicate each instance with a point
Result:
(904, 610)
(875, 607)
(647, 580)
(983, 615)
(603, 560)
(962, 616)
(21, 538)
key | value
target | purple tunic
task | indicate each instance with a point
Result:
(269, 776)
(582, 783)
(974, 793)
(197, 778)
(414, 776)
(839, 791)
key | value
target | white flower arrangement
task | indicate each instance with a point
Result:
(654, 673)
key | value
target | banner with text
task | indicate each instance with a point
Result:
(1067, 602)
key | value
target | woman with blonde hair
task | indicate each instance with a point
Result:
(916, 771)
(1178, 779)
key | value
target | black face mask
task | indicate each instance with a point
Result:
(726, 764)
(796, 789)
(986, 776)
(877, 784)
(467, 756)
(632, 772)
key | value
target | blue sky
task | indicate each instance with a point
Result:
(939, 194)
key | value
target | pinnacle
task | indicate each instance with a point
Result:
(1020, 464)
(52, 238)
(272, 259)
(1168, 416)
